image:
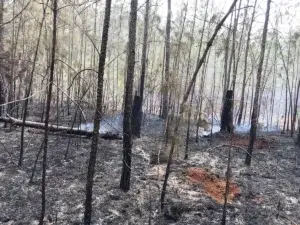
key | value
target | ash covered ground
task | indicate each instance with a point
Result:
(269, 191)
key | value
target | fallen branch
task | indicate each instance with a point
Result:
(55, 128)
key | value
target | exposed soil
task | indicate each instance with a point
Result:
(260, 142)
(215, 187)
(267, 193)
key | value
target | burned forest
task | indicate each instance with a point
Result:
(127, 112)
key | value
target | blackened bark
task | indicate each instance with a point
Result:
(47, 113)
(165, 108)
(137, 116)
(97, 118)
(144, 53)
(254, 118)
(295, 110)
(298, 136)
(138, 100)
(127, 129)
(226, 75)
(227, 117)
(2, 99)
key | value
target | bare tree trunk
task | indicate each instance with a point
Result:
(241, 107)
(47, 113)
(127, 131)
(288, 87)
(286, 109)
(295, 107)
(2, 98)
(11, 77)
(165, 101)
(274, 76)
(175, 94)
(202, 78)
(61, 129)
(228, 177)
(236, 58)
(288, 118)
(254, 119)
(226, 75)
(97, 117)
(162, 83)
(28, 91)
(70, 58)
(137, 121)
(185, 97)
(187, 74)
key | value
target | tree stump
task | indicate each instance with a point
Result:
(137, 116)
(227, 115)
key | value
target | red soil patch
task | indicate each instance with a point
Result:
(213, 186)
(243, 141)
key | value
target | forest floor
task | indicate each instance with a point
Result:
(267, 193)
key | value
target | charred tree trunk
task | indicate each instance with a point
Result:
(298, 136)
(233, 50)
(242, 101)
(28, 91)
(61, 129)
(227, 117)
(226, 75)
(295, 109)
(137, 116)
(2, 99)
(127, 129)
(165, 101)
(97, 118)
(138, 100)
(47, 113)
(254, 118)
(286, 109)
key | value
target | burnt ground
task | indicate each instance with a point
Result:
(268, 192)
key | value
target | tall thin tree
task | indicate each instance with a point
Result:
(144, 53)
(97, 117)
(254, 118)
(2, 99)
(241, 107)
(185, 98)
(48, 107)
(165, 91)
(28, 90)
(137, 121)
(127, 131)
(186, 155)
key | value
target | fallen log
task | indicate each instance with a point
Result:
(55, 128)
